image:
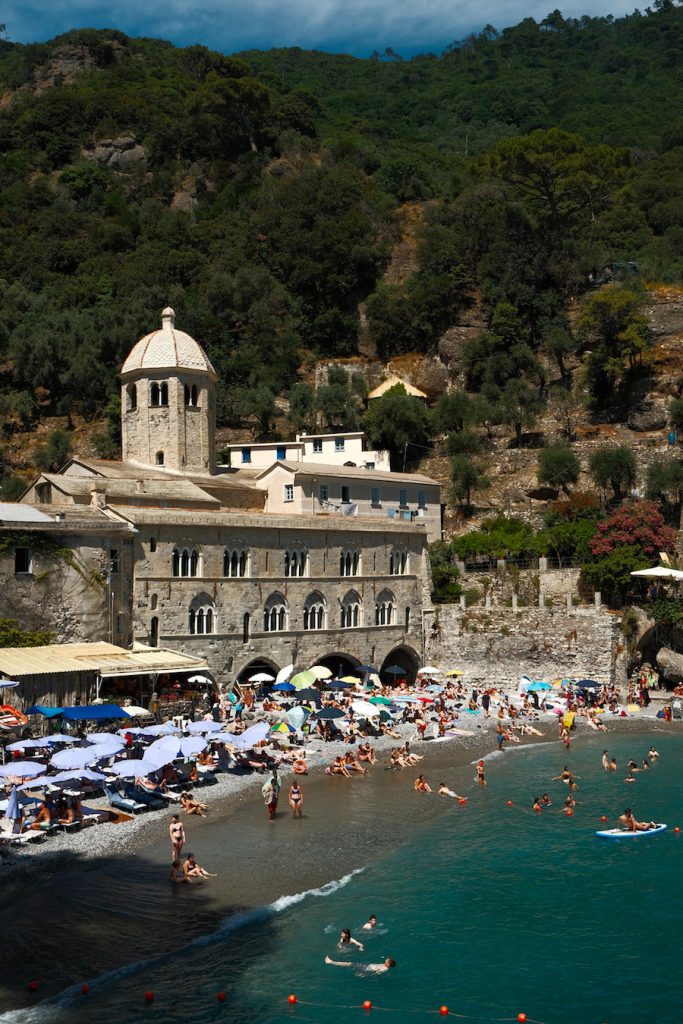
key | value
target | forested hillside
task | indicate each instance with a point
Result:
(260, 196)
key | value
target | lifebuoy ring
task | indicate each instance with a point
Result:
(299, 767)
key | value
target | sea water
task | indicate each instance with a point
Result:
(489, 909)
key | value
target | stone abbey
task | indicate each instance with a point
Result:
(292, 557)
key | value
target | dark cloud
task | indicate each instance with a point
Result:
(356, 26)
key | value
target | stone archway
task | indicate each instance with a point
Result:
(339, 663)
(255, 666)
(402, 657)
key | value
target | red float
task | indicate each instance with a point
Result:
(367, 1005)
(85, 989)
(509, 803)
(220, 996)
(521, 1017)
(291, 1000)
(677, 829)
(569, 812)
(443, 1010)
(603, 818)
(149, 997)
(33, 986)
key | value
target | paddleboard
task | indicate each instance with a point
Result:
(620, 833)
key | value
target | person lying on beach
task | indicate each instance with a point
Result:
(191, 869)
(192, 806)
(629, 823)
(370, 923)
(206, 759)
(386, 731)
(346, 939)
(421, 785)
(443, 790)
(364, 968)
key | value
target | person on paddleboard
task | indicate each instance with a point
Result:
(629, 823)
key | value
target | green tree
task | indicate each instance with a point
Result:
(611, 575)
(54, 453)
(615, 327)
(558, 466)
(302, 407)
(11, 635)
(399, 424)
(676, 413)
(613, 467)
(519, 405)
(445, 573)
(467, 477)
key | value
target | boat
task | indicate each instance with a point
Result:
(11, 719)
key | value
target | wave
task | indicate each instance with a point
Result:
(40, 1013)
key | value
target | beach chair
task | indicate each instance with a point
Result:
(72, 826)
(123, 803)
(154, 801)
(10, 838)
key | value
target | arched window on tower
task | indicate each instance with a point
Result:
(154, 632)
(163, 393)
(201, 616)
(385, 609)
(351, 611)
(185, 562)
(160, 458)
(131, 397)
(349, 562)
(295, 562)
(398, 562)
(314, 611)
(275, 614)
(154, 394)
(235, 562)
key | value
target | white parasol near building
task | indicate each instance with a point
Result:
(660, 572)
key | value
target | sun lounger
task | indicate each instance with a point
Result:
(10, 838)
(123, 803)
(154, 801)
(94, 816)
(71, 826)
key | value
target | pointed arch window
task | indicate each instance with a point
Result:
(351, 616)
(349, 562)
(275, 614)
(235, 562)
(398, 562)
(131, 397)
(314, 611)
(296, 562)
(185, 562)
(385, 609)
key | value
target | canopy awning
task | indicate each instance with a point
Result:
(659, 572)
(89, 712)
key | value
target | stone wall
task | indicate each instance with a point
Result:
(499, 645)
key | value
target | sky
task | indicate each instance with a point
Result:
(340, 26)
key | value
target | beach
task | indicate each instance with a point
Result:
(108, 885)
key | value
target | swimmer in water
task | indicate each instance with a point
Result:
(364, 968)
(613, 764)
(443, 790)
(630, 777)
(545, 800)
(421, 785)
(605, 760)
(370, 923)
(346, 939)
(537, 804)
(652, 753)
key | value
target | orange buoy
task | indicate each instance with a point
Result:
(521, 1017)
(677, 829)
(220, 996)
(291, 1000)
(85, 989)
(149, 997)
(509, 803)
(569, 812)
(33, 986)
(443, 1010)
(603, 818)
(367, 1005)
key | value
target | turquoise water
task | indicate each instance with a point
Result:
(492, 910)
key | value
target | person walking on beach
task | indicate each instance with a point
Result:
(176, 832)
(296, 799)
(271, 793)
(481, 773)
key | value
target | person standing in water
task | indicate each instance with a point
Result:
(271, 793)
(296, 799)
(176, 832)
(481, 773)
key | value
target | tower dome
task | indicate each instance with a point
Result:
(168, 349)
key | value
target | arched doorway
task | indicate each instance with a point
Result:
(401, 657)
(256, 666)
(340, 664)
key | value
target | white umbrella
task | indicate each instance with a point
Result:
(297, 716)
(284, 674)
(81, 757)
(321, 672)
(193, 679)
(26, 744)
(262, 677)
(363, 708)
(135, 711)
(168, 748)
(167, 729)
(252, 735)
(8, 684)
(660, 572)
(428, 670)
(61, 737)
(200, 727)
(134, 768)
(21, 769)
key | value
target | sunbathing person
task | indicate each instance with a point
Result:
(43, 818)
(421, 785)
(352, 764)
(206, 759)
(366, 753)
(338, 768)
(192, 806)
(169, 776)
(177, 874)
(191, 869)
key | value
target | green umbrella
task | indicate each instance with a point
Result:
(303, 679)
(379, 700)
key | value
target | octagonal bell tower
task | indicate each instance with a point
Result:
(168, 402)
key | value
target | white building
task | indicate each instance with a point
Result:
(340, 449)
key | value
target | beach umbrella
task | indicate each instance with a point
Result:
(13, 811)
(337, 684)
(454, 672)
(349, 679)
(26, 744)
(309, 694)
(588, 684)
(394, 670)
(80, 757)
(297, 716)
(373, 680)
(539, 684)
(303, 679)
(61, 737)
(193, 679)
(204, 727)
(321, 671)
(329, 714)
(283, 727)
(284, 674)
(167, 729)
(428, 670)
(134, 711)
(379, 700)
(254, 734)
(434, 688)
(168, 748)
(261, 677)
(223, 737)
(367, 668)
(108, 738)
(21, 769)
(284, 687)
(134, 768)
(364, 708)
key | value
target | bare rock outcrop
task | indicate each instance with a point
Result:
(671, 664)
(122, 154)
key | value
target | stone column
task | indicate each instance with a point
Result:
(597, 598)
(515, 603)
(541, 600)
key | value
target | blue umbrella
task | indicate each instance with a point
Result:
(329, 714)
(588, 684)
(337, 684)
(395, 670)
(286, 687)
(366, 668)
(13, 812)
(538, 685)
